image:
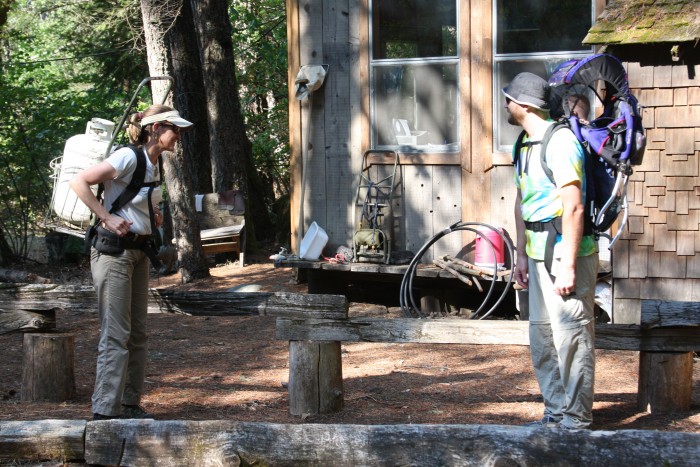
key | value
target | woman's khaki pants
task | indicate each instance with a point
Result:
(121, 283)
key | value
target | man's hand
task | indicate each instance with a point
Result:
(520, 271)
(565, 282)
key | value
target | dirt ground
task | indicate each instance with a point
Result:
(233, 368)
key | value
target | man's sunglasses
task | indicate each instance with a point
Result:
(508, 100)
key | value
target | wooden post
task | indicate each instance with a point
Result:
(315, 378)
(665, 381)
(47, 367)
(430, 302)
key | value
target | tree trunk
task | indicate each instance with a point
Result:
(231, 150)
(6, 255)
(159, 18)
(229, 144)
(190, 99)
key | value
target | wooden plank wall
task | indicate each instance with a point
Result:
(658, 256)
(336, 33)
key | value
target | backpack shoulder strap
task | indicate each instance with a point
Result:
(516, 152)
(136, 182)
(545, 141)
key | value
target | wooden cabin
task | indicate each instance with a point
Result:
(658, 256)
(437, 67)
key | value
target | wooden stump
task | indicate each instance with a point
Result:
(665, 381)
(47, 367)
(315, 378)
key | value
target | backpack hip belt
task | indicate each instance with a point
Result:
(553, 228)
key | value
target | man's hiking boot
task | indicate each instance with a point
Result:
(134, 411)
(544, 422)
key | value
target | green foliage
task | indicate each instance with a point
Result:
(62, 63)
(260, 39)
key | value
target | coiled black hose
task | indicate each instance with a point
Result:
(407, 302)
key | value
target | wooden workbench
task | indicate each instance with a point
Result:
(436, 288)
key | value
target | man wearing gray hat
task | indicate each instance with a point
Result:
(556, 260)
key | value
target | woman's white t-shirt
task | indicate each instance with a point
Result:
(136, 211)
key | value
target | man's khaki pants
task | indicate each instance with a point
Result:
(562, 335)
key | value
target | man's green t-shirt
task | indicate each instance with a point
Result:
(540, 198)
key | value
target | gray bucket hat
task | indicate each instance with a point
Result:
(528, 89)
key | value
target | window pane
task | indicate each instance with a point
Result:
(416, 105)
(505, 71)
(531, 26)
(414, 29)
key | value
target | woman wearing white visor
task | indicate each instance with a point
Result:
(120, 266)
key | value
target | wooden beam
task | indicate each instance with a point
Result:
(663, 313)
(250, 303)
(60, 440)
(461, 331)
(38, 300)
(12, 319)
(186, 443)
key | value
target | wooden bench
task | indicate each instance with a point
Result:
(222, 223)
(666, 341)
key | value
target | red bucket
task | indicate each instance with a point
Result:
(483, 251)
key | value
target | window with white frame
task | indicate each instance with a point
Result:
(414, 75)
(534, 36)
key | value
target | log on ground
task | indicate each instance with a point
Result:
(58, 440)
(12, 320)
(186, 443)
(41, 298)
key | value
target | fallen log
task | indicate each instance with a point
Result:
(11, 275)
(220, 442)
(59, 440)
(186, 443)
(12, 320)
(32, 307)
(42, 297)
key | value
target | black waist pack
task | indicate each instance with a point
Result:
(106, 242)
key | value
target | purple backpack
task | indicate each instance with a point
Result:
(614, 141)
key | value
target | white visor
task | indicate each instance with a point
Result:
(173, 116)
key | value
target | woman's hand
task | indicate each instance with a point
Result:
(157, 217)
(116, 224)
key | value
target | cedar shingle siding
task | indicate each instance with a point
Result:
(658, 256)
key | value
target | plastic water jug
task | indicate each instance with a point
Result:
(80, 152)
